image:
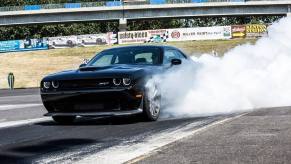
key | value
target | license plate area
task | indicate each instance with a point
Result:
(88, 107)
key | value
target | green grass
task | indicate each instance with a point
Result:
(30, 67)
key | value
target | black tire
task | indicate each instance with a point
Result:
(64, 120)
(152, 105)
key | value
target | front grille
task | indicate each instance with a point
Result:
(87, 106)
(85, 84)
(101, 106)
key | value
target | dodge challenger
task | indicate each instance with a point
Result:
(113, 83)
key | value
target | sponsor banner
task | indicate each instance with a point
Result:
(113, 3)
(11, 45)
(199, 33)
(256, 30)
(72, 5)
(23, 45)
(32, 7)
(82, 40)
(145, 36)
(96, 39)
(238, 31)
(131, 1)
(62, 41)
(157, 2)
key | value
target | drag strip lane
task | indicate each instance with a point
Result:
(9, 114)
(23, 99)
(261, 136)
(27, 137)
(19, 92)
(17, 106)
(21, 105)
(8, 124)
(46, 140)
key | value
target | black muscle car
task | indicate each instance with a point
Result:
(111, 84)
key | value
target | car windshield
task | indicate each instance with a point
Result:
(128, 55)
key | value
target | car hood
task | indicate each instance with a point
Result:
(114, 71)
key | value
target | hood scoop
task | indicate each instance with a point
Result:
(85, 69)
(93, 68)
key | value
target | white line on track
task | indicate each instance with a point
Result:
(135, 152)
(2, 120)
(10, 124)
(134, 149)
(17, 106)
(5, 98)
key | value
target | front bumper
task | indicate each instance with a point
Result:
(105, 102)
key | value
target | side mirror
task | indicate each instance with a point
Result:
(82, 65)
(176, 61)
(85, 62)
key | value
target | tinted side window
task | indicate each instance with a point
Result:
(181, 56)
(144, 58)
(104, 61)
(169, 55)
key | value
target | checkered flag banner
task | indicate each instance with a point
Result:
(159, 38)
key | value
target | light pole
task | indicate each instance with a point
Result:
(122, 21)
(123, 12)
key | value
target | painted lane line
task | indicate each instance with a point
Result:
(134, 152)
(2, 120)
(76, 155)
(17, 106)
(10, 124)
(4, 98)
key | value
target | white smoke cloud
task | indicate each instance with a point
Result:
(247, 77)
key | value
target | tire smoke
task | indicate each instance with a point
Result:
(245, 78)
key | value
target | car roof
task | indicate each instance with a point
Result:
(144, 46)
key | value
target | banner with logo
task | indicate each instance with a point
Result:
(96, 39)
(199, 33)
(82, 40)
(23, 45)
(145, 36)
(238, 31)
(256, 30)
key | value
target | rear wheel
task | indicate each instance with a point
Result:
(152, 103)
(64, 119)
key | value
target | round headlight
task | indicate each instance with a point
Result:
(117, 82)
(126, 81)
(55, 84)
(47, 85)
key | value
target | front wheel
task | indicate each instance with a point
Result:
(65, 120)
(152, 103)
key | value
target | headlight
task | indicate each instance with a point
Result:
(46, 85)
(126, 81)
(55, 84)
(117, 82)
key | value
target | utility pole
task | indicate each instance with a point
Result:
(123, 21)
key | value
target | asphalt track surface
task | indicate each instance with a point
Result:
(260, 136)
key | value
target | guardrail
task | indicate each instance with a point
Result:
(106, 4)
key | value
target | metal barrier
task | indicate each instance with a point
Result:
(106, 4)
